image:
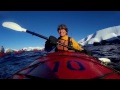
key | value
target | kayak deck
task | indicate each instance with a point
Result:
(67, 65)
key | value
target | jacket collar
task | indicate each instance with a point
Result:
(64, 37)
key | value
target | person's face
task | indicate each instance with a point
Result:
(62, 32)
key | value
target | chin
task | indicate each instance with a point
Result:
(62, 35)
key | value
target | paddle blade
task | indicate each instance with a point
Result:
(13, 26)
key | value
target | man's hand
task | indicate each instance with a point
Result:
(53, 40)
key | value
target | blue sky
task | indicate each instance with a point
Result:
(79, 23)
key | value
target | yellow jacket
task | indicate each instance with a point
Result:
(74, 43)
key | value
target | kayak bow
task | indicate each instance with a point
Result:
(66, 65)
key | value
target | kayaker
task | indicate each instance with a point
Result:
(54, 44)
(63, 39)
(66, 40)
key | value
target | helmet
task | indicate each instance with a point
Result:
(62, 26)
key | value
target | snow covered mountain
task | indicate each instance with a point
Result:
(25, 48)
(32, 48)
(107, 34)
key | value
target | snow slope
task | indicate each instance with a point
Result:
(104, 34)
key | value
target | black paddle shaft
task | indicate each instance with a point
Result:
(41, 36)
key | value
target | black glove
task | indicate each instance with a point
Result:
(53, 40)
(87, 52)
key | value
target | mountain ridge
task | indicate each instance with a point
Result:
(107, 34)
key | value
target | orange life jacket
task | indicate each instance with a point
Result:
(65, 42)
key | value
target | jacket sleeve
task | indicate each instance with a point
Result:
(76, 45)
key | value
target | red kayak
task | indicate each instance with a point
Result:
(67, 65)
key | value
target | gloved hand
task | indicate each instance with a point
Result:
(53, 40)
(87, 52)
(50, 43)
